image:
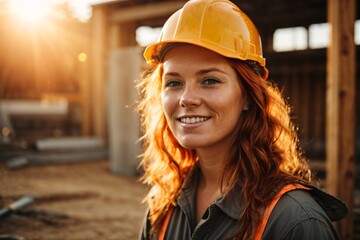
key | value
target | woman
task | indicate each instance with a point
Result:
(221, 153)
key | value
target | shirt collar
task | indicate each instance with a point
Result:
(230, 204)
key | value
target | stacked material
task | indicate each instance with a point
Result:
(62, 150)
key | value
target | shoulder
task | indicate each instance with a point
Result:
(298, 216)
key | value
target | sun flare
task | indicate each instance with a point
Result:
(30, 11)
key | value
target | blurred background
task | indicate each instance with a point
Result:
(68, 127)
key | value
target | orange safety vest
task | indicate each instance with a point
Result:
(262, 225)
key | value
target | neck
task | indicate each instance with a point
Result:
(210, 169)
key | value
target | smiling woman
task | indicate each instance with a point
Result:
(220, 151)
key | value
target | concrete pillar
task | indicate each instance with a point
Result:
(124, 123)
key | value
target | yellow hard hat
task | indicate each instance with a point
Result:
(218, 25)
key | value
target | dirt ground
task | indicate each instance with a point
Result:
(72, 201)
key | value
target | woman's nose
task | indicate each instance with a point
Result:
(190, 97)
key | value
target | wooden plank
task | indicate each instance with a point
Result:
(340, 114)
(145, 11)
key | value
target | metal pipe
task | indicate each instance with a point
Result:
(17, 205)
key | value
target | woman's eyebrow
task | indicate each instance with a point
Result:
(200, 72)
(171, 74)
(208, 70)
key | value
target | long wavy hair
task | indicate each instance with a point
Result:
(265, 152)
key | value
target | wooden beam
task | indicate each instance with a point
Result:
(145, 11)
(98, 70)
(340, 114)
(122, 35)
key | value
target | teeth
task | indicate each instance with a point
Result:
(193, 119)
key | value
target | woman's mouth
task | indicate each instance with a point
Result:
(192, 120)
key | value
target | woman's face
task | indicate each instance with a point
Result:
(201, 97)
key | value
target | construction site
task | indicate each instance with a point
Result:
(69, 130)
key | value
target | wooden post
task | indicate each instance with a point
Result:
(98, 70)
(340, 114)
(85, 98)
(122, 35)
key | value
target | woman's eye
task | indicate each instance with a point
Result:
(211, 81)
(173, 84)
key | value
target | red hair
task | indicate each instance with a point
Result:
(165, 162)
(265, 153)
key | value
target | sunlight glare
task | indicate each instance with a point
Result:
(82, 57)
(30, 11)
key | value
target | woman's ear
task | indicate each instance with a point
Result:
(246, 106)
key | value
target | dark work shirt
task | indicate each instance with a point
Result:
(299, 214)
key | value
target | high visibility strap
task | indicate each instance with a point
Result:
(285, 189)
(165, 224)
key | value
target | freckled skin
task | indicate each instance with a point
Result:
(197, 82)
